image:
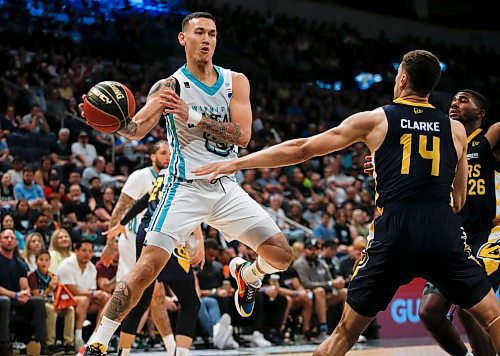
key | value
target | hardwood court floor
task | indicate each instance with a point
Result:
(397, 347)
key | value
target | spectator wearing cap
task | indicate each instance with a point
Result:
(315, 275)
(323, 231)
(60, 153)
(329, 255)
(83, 151)
(16, 172)
(29, 190)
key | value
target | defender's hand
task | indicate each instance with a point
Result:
(198, 257)
(368, 166)
(115, 231)
(216, 169)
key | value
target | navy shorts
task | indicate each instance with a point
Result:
(178, 266)
(416, 240)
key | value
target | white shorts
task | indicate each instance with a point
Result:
(222, 204)
(127, 260)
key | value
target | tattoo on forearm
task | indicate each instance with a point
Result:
(168, 83)
(120, 302)
(129, 130)
(225, 131)
(122, 206)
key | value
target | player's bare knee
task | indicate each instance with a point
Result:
(277, 252)
(429, 317)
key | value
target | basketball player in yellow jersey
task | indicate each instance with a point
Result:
(419, 155)
(480, 220)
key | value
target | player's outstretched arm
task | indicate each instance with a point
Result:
(355, 128)
(493, 136)
(147, 118)
(460, 181)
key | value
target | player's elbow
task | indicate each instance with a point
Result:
(244, 139)
(458, 202)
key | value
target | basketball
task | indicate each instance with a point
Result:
(109, 106)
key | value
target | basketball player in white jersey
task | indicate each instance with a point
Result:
(138, 184)
(208, 114)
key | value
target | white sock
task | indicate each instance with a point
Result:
(123, 352)
(104, 331)
(469, 353)
(181, 351)
(169, 342)
(251, 274)
(78, 334)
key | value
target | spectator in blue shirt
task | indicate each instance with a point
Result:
(322, 231)
(29, 190)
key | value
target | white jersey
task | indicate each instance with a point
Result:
(192, 147)
(138, 184)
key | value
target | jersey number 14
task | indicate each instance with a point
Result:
(433, 154)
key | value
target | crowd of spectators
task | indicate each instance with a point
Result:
(60, 179)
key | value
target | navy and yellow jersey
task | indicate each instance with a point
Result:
(417, 159)
(483, 186)
(178, 266)
(155, 196)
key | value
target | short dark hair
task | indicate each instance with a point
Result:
(423, 69)
(479, 99)
(211, 244)
(43, 252)
(78, 243)
(28, 169)
(196, 15)
(158, 144)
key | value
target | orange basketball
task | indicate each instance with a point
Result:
(109, 106)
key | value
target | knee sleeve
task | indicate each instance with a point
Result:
(131, 321)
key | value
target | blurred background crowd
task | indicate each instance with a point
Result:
(60, 179)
